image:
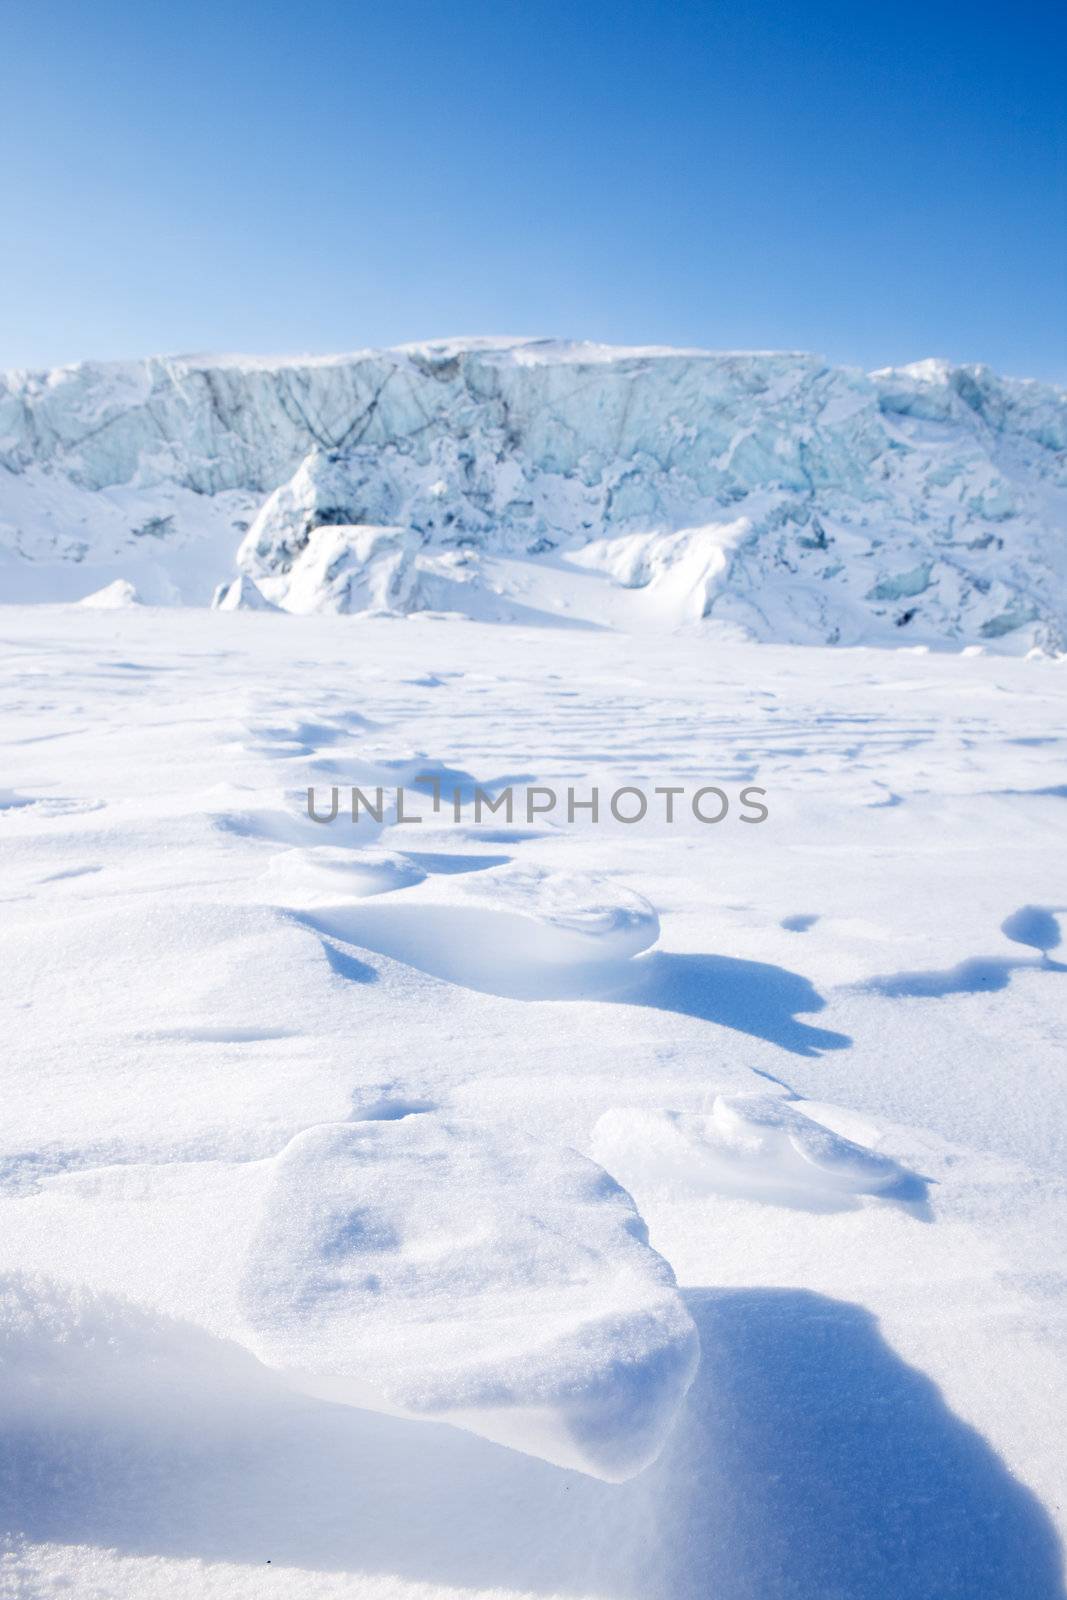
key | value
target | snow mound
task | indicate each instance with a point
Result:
(522, 932)
(682, 572)
(289, 823)
(242, 594)
(473, 1277)
(113, 597)
(338, 873)
(573, 917)
(759, 1146)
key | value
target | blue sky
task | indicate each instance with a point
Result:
(876, 182)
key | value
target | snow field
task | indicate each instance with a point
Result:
(310, 1167)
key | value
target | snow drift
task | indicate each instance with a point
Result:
(798, 501)
(760, 1146)
(474, 1277)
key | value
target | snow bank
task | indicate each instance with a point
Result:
(175, 1016)
(475, 1277)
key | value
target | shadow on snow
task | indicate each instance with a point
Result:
(808, 1461)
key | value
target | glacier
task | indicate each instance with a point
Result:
(768, 494)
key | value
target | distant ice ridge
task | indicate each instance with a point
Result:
(801, 502)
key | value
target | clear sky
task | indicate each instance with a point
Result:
(875, 180)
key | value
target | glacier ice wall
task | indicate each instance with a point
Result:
(800, 501)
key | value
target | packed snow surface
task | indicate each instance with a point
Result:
(510, 480)
(363, 1182)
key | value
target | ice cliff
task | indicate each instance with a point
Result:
(801, 502)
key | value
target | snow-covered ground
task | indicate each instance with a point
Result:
(625, 1211)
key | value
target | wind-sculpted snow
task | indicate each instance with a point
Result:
(469, 1276)
(757, 1145)
(795, 500)
(518, 931)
